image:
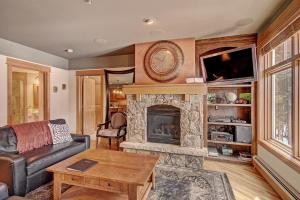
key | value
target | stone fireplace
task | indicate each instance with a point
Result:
(163, 124)
(167, 120)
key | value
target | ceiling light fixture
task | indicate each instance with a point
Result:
(148, 21)
(69, 50)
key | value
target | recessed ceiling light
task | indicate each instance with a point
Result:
(149, 21)
(88, 2)
(69, 50)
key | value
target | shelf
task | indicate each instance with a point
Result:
(229, 143)
(231, 159)
(229, 86)
(230, 105)
(229, 124)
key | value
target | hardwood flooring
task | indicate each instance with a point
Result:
(246, 182)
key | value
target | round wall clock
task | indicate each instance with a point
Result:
(163, 61)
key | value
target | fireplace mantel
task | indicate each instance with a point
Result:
(183, 89)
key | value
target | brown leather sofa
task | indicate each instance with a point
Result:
(25, 172)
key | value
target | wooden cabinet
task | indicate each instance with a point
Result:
(224, 116)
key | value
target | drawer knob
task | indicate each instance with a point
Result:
(108, 184)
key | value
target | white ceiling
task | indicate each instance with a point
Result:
(54, 25)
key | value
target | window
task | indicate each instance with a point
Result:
(282, 52)
(282, 107)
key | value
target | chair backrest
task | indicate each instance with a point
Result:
(118, 120)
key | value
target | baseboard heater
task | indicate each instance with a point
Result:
(287, 188)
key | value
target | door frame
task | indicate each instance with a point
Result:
(45, 70)
(79, 94)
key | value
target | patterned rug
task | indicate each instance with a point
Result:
(171, 184)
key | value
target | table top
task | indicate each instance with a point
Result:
(117, 166)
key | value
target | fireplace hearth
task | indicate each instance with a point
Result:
(163, 124)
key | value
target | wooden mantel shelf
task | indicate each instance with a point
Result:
(184, 89)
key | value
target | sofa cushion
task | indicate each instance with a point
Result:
(60, 133)
(48, 155)
(8, 141)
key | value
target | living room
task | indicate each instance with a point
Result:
(149, 100)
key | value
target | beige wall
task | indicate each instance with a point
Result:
(187, 70)
(3, 91)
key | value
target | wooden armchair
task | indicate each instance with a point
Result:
(115, 128)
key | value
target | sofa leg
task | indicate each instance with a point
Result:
(118, 144)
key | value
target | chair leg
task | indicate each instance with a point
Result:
(118, 144)
(97, 140)
(109, 142)
(124, 138)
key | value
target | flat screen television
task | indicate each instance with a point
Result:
(236, 65)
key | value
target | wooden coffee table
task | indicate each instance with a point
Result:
(116, 172)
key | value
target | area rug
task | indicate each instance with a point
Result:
(172, 184)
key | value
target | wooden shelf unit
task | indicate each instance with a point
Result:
(230, 105)
(242, 111)
(229, 124)
(229, 143)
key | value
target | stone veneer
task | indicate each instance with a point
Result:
(190, 152)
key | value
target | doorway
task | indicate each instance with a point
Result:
(90, 101)
(115, 98)
(27, 92)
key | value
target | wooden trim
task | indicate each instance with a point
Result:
(45, 70)
(280, 23)
(281, 66)
(288, 159)
(271, 180)
(166, 89)
(9, 94)
(79, 120)
(28, 65)
(90, 72)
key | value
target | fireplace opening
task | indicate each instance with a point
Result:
(163, 124)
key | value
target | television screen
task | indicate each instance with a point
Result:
(238, 65)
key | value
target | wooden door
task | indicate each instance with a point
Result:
(92, 103)
(89, 105)
(19, 97)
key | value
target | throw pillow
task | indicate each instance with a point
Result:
(60, 133)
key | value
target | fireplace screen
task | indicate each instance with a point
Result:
(163, 124)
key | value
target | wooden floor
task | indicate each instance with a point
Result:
(246, 182)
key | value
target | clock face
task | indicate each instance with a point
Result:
(163, 60)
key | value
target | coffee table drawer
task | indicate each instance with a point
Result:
(74, 179)
(92, 181)
(113, 186)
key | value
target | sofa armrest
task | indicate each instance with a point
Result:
(82, 138)
(13, 173)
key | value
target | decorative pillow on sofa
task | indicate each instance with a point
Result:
(60, 133)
